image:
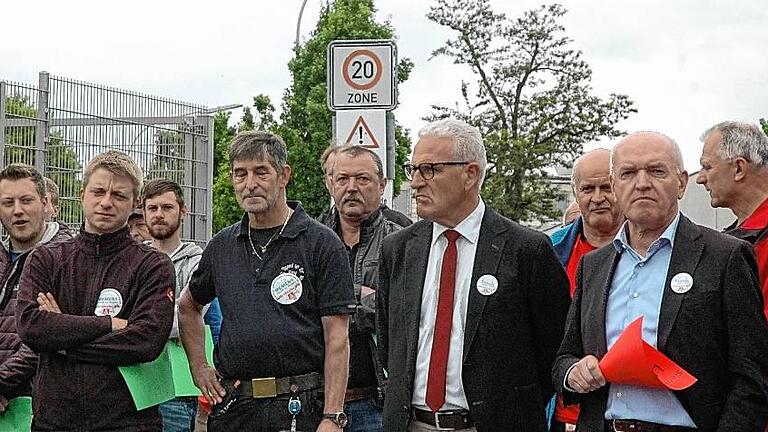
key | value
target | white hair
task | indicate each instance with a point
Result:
(740, 139)
(468, 142)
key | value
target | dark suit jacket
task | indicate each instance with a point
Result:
(716, 331)
(511, 336)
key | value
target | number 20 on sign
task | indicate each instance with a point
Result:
(360, 75)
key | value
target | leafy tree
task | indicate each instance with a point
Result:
(63, 165)
(532, 100)
(764, 124)
(306, 120)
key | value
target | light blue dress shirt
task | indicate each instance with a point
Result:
(636, 290)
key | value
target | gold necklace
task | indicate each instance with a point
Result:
(271, 239)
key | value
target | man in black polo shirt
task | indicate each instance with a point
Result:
(285, 289)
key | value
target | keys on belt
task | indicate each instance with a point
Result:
(457, 419)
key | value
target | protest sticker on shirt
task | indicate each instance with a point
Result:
(110, 303)
(286, 288)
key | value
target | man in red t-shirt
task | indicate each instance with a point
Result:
(734, 170)
(599, 221)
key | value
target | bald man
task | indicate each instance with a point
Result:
(595, 227)
(698, 293)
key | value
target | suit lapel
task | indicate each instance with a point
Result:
(685, 255)
(608, 267)
(416, 255)
(490, 245)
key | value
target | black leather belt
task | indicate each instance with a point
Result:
(359, 394)
(271, 387)
(457, 419)
(642, 426)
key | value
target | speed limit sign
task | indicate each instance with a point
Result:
(361, 75)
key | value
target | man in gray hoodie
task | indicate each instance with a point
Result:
(164, 210)
(23, 202)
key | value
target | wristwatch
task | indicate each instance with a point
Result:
(338, 418)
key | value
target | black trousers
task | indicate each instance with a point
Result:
(245, 413)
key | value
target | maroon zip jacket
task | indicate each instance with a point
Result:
(17, 362)
(78, 386)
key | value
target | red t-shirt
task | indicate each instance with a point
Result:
(570, 414)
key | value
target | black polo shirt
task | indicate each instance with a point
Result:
(261, 336)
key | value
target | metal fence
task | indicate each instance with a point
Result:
(60, 124)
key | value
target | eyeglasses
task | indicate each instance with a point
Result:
(427, 169)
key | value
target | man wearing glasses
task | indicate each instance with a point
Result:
(470, 305)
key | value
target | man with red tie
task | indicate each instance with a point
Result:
(470, 306)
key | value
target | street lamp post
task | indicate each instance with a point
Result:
(298, 23)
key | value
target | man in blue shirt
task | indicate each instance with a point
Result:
(698, 293)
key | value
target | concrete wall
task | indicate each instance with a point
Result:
(695, 205)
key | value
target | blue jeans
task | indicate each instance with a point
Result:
(364, 416)
(179, 414)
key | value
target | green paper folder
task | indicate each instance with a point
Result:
(17, 416)
(166, 377)
(150, 383)
(182, 377)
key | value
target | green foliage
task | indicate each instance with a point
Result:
(306, 120)
(764, 125)
(531, 100)
(63, 166)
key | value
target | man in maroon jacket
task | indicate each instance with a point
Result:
(23, 201)
(93, 303)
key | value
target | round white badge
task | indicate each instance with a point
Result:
(681, 283)
(286, 288)
(487, 284)
(110, 302)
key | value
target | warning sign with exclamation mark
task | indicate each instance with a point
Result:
(366, 128)
(361, 135)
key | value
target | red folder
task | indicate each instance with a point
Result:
(633, 361)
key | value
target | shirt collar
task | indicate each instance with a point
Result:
(469, 228)
(758, 219)
(621, 240)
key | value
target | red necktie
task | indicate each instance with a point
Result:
(438, 362)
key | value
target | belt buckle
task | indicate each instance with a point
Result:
(264, 387)
(437, 419)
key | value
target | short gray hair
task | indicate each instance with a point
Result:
(354, 151)
(254, 144)
(740, 139)
(467, 139)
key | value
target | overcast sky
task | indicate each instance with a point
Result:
(687, 64)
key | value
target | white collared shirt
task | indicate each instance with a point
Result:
(466, 246)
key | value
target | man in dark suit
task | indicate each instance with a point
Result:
(698, 293)
(471, 306)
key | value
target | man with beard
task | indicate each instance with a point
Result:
(94, 303)
(164, 209)
(596, 226)
(23, 204)
(358, 183)
(286, 294)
